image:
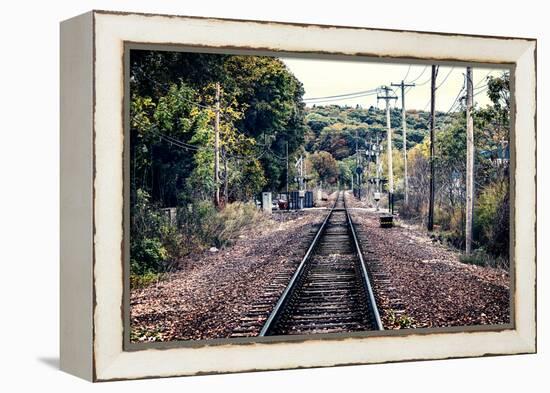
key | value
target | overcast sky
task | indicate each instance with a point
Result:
(322, 78)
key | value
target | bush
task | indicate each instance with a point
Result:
(150, 232)
(157, 245)
(492, 219)
(235, 219)
(147, 255)
(204, 226)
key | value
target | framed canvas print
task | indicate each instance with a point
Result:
(245, 195)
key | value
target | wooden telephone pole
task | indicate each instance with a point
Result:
(357, 165)
(469, 159)
(225, 178)
(403, 85)
(387, 98)
(432, 151)
(287, 194)
(217, 148)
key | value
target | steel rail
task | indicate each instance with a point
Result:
(366, 281)
(283, 300)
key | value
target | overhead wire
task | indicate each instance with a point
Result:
(419, 76)
(445, 79)
(407, 74)
(323, 98)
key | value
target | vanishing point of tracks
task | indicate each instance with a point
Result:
(329, 292)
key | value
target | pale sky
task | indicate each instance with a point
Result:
(322, 78)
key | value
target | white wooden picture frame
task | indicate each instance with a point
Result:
(92, 194)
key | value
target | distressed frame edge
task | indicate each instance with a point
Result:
(76, 285)
(528, 348)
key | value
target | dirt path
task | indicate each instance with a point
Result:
(416, 278)
(208, 297)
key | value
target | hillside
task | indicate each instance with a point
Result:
(333, 128)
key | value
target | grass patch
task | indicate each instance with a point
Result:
(402, 321)
(143, 280)
(480, 257)
(142, 334)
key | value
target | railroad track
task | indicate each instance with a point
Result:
(330, 291)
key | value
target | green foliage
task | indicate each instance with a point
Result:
(148, 253)
(260, 104)
(492, 218)
(143, 280)
(401, 321)
(491, 213)
(159, 167)
(334, 128)
(142, 334)
(345, 169)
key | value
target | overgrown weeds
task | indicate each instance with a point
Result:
(157, 243)
(480, 257)
(400, 321)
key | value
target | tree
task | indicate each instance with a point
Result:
(326, 167)
(262, 111)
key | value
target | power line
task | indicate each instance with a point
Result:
(419, 76)
(482, 79)
(407, 74)
(481, 91)
(445, 79)
(339, 98)
(340, 95)
(425, 82)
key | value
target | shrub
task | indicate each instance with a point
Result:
(234, 220)
(147, 255)
(491, 218)
(149, 234)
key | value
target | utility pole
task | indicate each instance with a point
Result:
(287, 194)
(404, 127)
(378, 167)
(301, 172)
(357, 165)
(225, 177)
(300, 162)
(469, 159)
(432, 151)
(368, 155)
(217, 147)
(387, 98)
